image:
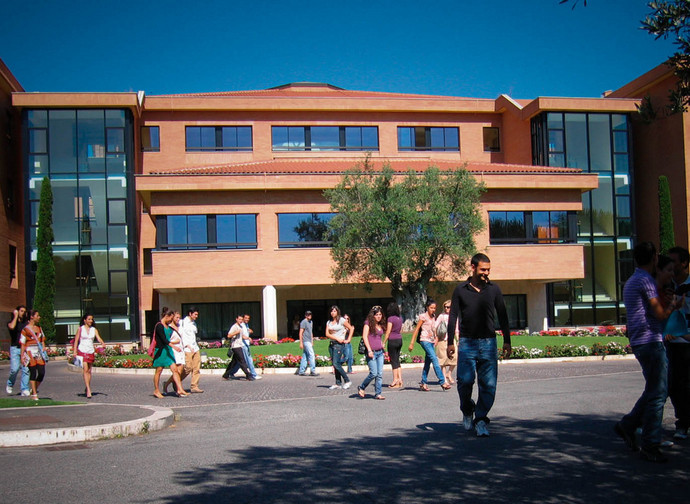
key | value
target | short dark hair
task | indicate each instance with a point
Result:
(681, 252)
(479, 257)
(393, 309)
(192, 309)
(663, 261)
(644, 253)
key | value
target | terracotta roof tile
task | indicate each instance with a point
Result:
(335, 166)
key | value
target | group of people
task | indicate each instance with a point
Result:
(655, 299)
(174, 346)
(467, 322)
(27, 352)
(240, 335)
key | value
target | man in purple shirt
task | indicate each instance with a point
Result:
(646, 313)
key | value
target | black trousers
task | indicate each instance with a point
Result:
(237, 359)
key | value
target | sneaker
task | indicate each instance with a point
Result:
(653, 454)
(8, 389)
(334, 386)
(666, 444)
(347, 385)
(26, 393)
(258, 377)
(681, 434)
(301, 374)
(482, 429)
(314, 374)
(625, 436)
(467, 422)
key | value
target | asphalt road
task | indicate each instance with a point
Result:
(289, 439)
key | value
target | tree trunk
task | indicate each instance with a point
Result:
(411, 302)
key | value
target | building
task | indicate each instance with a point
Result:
(194, 199)
(13, 285)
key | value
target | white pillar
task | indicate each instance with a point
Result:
(270, 313)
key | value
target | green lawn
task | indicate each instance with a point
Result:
(11, 402)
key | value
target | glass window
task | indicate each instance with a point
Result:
(38, 141)
(148, 261)
(529, 227)
(218, 138)
(576, 141)
(197, 231)
(602, 207)
(116, 212)
(191, 232)
(491, 140)
(303, 230)
(599, 142)
(150, 139)
(177, 231)
(62, 141)
(37, 118)
(115, 140)
(325, 138)
(236, 231)
(428, 138)
(554, 120)
(115, 118)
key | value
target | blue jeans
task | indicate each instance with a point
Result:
(349, 356)
(307, 355)
(337, 351)
(16, 367)
(649, 408)
(429, 359)
(477, 357)
(375, 364)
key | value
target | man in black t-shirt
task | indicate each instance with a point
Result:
(473, 305)
(15, 326)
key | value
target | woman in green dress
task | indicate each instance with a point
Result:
(163, 356)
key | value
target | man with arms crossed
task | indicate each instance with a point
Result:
(646, 314)
(473, 305)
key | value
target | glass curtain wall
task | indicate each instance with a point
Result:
(87, 155)
(596, 143)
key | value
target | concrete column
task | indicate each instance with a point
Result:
(270, 313)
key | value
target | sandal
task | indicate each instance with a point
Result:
(379, 397)
(158, 395)
(360, 392)
(423, 387)
(446, 386)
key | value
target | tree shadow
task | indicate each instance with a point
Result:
(567, 459)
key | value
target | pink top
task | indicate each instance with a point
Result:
(427, 329)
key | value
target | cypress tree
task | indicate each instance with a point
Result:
(666, 237)
(44, 290)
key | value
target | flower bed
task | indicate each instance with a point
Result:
(568, 350)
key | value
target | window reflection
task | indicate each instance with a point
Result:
(303, 230)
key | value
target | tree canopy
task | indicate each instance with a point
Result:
(407, 229)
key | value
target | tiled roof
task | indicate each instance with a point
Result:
(309, 90)
(336, 166)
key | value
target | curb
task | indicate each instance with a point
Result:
(158, 419)
(358, 368)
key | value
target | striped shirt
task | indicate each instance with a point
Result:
(643, 326)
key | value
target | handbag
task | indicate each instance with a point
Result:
(362, 349)
(152, 347)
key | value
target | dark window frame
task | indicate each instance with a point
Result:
(488, 147)
(150, 145)
(305, 243)
(211, 243)
(418, 132)
(528, 224)
(219, 135)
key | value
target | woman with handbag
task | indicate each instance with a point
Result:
(427, 338)
(372, 335)
(33, 354)
(84, 348)
(176, 340)
(163, 354)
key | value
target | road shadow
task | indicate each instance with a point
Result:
(565, 459)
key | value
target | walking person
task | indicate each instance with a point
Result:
(192, 354)
(306, 344)
(646, 313)
(338, 330)
(678, 347)
(442, 334)
(33, 340)
(236, 335)
(84, 348)
(246, 351)
(472, 309)
(163, 356)
(395, 342)
(372, 334)
(427, 338)
(349, 356)
(15, 327)
(178, 349)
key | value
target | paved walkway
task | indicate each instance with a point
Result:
(123, 403)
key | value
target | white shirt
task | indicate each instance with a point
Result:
(188, 330)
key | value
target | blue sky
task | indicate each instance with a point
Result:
(523, 48)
